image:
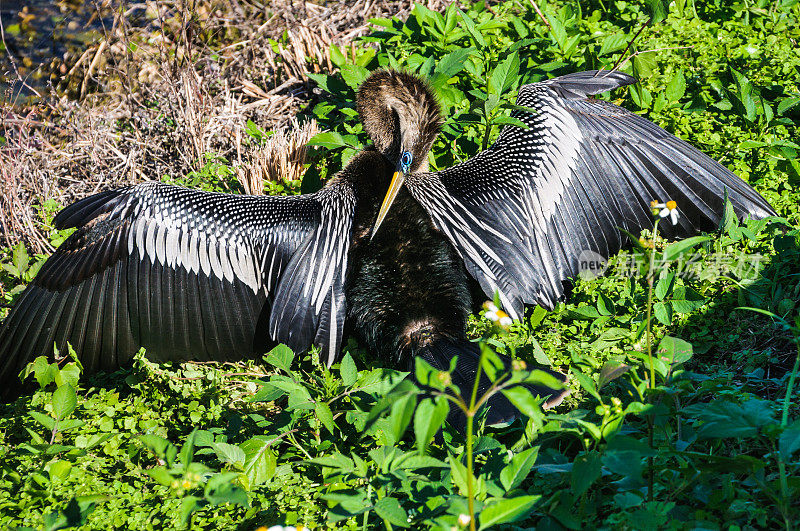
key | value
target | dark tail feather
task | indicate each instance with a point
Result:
(501, 411)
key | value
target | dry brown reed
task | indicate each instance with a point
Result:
(282, 157)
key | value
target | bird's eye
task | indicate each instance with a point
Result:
(405, 160)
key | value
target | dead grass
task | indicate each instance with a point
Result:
(152, 97)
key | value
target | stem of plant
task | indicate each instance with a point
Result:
(470, 420)
(650, 278)
(650, 427)
(792, 377)
(366, 513)
(784, 482)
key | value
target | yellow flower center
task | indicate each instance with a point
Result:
(672, 205)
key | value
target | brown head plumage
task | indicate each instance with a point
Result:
(398, 110)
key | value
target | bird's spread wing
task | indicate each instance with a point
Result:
(187, 275)
(522, 212)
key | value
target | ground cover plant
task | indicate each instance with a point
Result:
(683, 355)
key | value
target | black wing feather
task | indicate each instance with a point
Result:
(185, 274)
(541, 196)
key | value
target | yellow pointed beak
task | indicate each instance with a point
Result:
(397, 181)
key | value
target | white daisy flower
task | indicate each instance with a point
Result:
(496, 315)
(670, 208)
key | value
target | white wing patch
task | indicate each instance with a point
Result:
(180, 240)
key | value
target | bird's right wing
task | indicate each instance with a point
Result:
(523, 212)
(187, 275)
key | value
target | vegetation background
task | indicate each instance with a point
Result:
(684, 420)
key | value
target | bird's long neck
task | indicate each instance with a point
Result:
(399, 112)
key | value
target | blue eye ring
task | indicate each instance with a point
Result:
(405, 160)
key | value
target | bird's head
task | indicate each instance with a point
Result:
(402, 118)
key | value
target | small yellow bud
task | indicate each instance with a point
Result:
(444, 377)
(519, 365)
(186, 484)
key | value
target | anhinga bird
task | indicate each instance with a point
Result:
(387, 250)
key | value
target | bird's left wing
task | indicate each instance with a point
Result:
(187, 275)
(523, 212)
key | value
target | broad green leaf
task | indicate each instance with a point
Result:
(504, 74)
(74, 515)
(504, 511)
(789, 441)
(613, 43)
(676, 87)
(161, 447)
(587, 383)
(469, 25)
(515, 472)
(336, 461)
(328, 139)
(187, 450)
(746, 94)
(354, 75)
(724, 418)
(428, 419)
(584, 313)
(337, 57)
(524, 400)
(538, 353)
(788, 103)
(389, 509)
(325, 415)
(509, 120)
(20, 258)
(627, 463)
(229, 453)
(611, 371)
(586, 470)
(412, 461)
(161, 475)
(70, 375)
(675, 249)
(643, 65)
(59, 469)
(450, 65)
(665, 285)
(674, 351)
(260, 461)
(458, 473)
(224, 488)
(659, 9)
(492, 366)
(605, 306)
(281, 356)
(663, 312)
(401, 414)
(44, 420)
(752, 144)
(348, 370)
(189, 504)
(65, 399)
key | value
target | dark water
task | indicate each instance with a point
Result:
(42, 40)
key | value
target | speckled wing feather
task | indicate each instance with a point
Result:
(186, 275)
(522, 212)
